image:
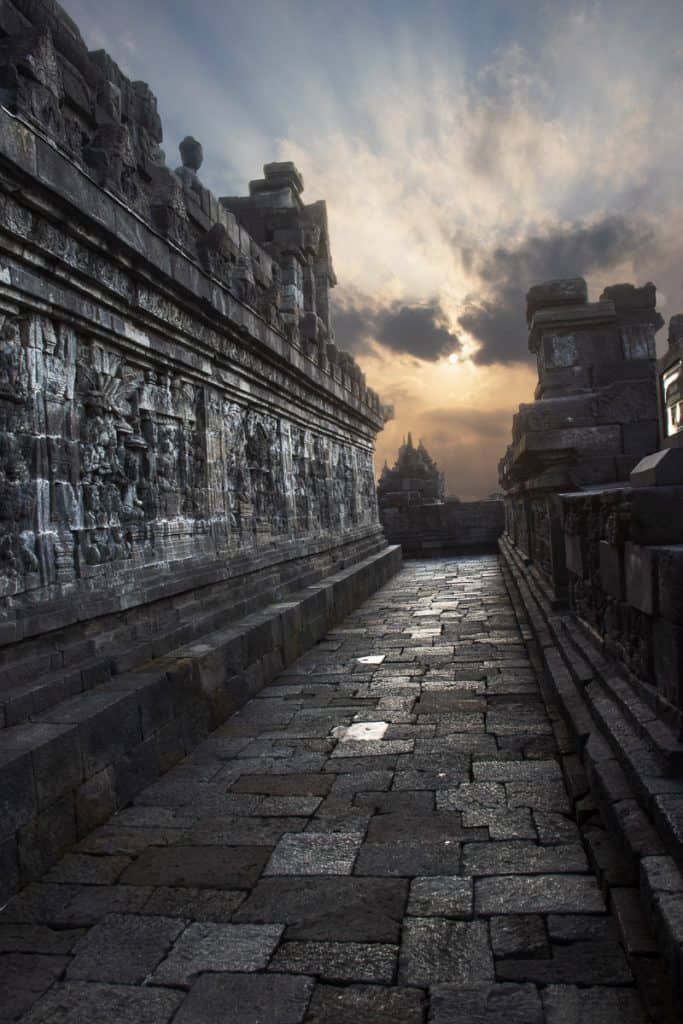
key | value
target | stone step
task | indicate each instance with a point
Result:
(32, 684)
(640, 804)
(72, 764)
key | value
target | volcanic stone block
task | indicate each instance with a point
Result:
(246, 999)
(135, 770)
(639, 439)
(574, 546)
(409, 858)
(444, 896)
(660, 469)
(217, 947)
(123, 948)
(612, 569)
(519, 935)
(584, 963)
(309, 853)
(155, 697)
(194, 904)
(77, 1003)
(434, 950)
(17, 799)
(95, 801)
(538, 894)
(294, 784)
(667, 643)
(23, 979)
(655, 514)
(55, 754)
(9, 867)
(605, 374)
(108, 725)
(555, 294)
(494, 1004)
(338, 961)
(669, 561)
(206, 867)
(640, 576)
(570, 1004)
(46, 837)
(365, 1004)
(521, 858)
(327, 909)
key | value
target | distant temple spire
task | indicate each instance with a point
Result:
(414, 479)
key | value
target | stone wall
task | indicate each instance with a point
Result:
(161, 413)
(594, 550)
(187, 494)
(444, 527)
(594, 415)
(624, 551)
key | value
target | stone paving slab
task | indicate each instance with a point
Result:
(292, 871)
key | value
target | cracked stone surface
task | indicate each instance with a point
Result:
(383, 834)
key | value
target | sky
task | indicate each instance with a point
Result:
(465, 151)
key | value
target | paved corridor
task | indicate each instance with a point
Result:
(382, 835)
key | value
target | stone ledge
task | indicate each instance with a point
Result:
(75, 764)
(642, 807)
(28, 151)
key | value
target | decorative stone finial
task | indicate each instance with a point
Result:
(191, 153)
(192, 156)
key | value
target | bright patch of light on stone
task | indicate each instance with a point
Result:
(360, 731)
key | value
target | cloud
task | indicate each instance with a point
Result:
(420, 330)
(466, 424)
(497, 319)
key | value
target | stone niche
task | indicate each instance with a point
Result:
(187, 493)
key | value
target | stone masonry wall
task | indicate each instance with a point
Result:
(187, 495)
(159, 410)
(440, 527)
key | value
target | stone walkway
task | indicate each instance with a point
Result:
(382, 835)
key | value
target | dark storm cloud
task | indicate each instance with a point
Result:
(467, 422)
(498, 322)
(418, 330)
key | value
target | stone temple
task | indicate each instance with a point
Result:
(252, 766)
(417, 515)
(414, 479)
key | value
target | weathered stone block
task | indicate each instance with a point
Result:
(656, 515)
(605, 374)
(668, 660)
(640, 574)
(17, 799)
(9, 868)
(55, 754)
(95, 801)
(612, 569)
(170, 745)
(135, 770)
(108, 725)
(154, 696)
(558, 381)
(574, 553)
(45, 838)
(640, 437)
(669, 562)
(662, 468)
